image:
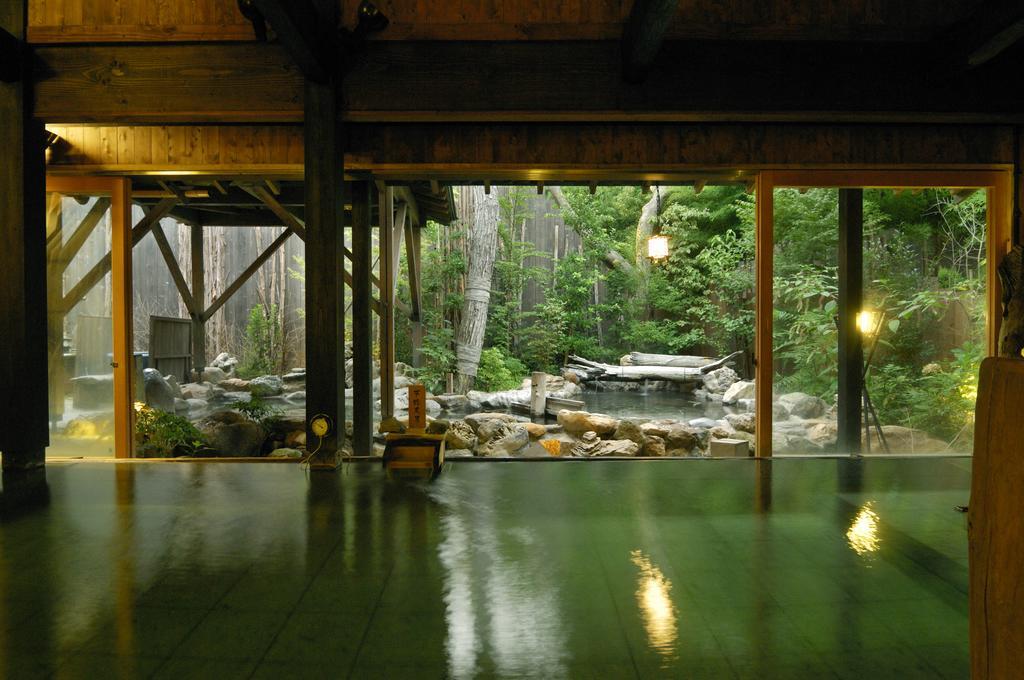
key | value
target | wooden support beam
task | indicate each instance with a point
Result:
(84, 230)
(246, 275)
(851, 302)
(325, 292)
(300, 29)
(175, 269)
(362, 322)
(22, 267)
(643, 35)
(268, 199)
(102, 268)
(199, 298)
(397, 237)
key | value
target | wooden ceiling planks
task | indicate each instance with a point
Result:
(89, 21)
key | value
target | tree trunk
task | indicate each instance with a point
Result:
(482, 244)
(612, 258)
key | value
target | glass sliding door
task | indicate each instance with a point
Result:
(87, 244)
(884, 301)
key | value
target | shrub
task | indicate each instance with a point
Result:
(262, 351)
(256, 410)
(498, 372)
(159, 434)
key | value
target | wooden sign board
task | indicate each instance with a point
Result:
(417, 408)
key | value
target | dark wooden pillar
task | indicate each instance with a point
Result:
(199, 359)
(412, 255)
(23, 346)
(362, 321)
(851, 301)
(325, 318)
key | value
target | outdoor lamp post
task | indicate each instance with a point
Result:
(869, 323)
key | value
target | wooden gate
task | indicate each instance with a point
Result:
(170, 346)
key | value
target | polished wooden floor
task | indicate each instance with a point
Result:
(811, 568)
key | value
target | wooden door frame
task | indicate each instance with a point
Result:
(118, 189)
(996, 180)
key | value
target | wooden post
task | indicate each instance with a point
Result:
(851, 302)
(122, 316)
(199, 297)
(386, 342)
(22, 266)
(412, 256)
(763, 350)
(362, 321)
(538, 393)
(325, 316)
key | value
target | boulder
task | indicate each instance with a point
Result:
(451, 401)
(509, 439)
(172, 380)
(654, 446)
(658, 428)
(158, 392)
(779, 412)
(266, 386)
(476, 419)
(578, 422)
(433, 408)
(181, 406)
(212, 374)
(225, 362)
(591, 446)
(803, 405)
(746, 405)
(742, 389)
(231, 397)
(824, 434)
(295, 439)
(489, 429)
(232, 435)
(906, 440)
(717, 382)
(439, 426)
(535, 430)
(629, 430)
(294, 377)
(744, 422)
(681, 437)
(295, 397)
(458, 453)
(703, 423)
(402, 382)
(460, 436)
(234, 385)
(197, 405)
(197, 391)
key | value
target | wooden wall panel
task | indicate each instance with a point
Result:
(237, 149)
(79, 21)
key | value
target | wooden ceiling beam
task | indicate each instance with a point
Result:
(643, 35)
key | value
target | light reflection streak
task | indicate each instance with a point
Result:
(654, 598)
(863, 533)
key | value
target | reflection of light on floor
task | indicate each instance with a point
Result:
(653, 596)
(863, 533)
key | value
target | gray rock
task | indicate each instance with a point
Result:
(474, 420)
(654, 446)
(232, 435)
(779, 412)
(180, 406)
(197, 391)
(225, 362)
(508, 441)
(743, 389)
(197, 405)
(433, 408)
(158, 392)
(451, 401)
(294, 377)
(720, 380)
(744, 422)
(458, 453)
(212, 374)
(702, 423)
(658, 428)
(681, 437)
(266, 386)
(295, 397)
(629, 430)
(489, 429)
(172, 380)
(460, 436)
(230, 397)
(803, 405)
(402, 382)
(437, 427)
(746, 405)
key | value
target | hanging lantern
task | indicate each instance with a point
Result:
(657, 243)
(868, 322)
(657, 247)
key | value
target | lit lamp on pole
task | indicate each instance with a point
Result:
(868, 322)
(657, 247)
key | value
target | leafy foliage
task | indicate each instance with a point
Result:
(262, 352)
(159, 434)
(256, 410)
(498, 372)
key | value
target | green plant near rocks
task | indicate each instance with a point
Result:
(159, 434)
(498, 372)
(256, 410)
